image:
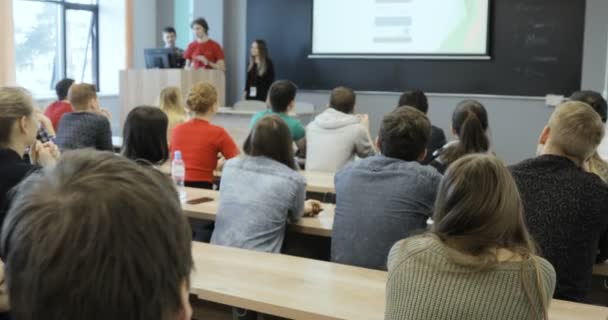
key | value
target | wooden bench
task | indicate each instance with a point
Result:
(299, 288)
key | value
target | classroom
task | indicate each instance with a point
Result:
(303, 159)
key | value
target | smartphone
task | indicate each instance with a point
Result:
(199, 200)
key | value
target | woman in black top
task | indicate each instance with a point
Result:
(260, 72)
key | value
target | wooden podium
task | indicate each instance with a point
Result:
(142, 87)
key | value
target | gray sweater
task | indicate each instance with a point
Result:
(423, 283)
(79, 130)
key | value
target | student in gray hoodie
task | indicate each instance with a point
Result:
(337, 135)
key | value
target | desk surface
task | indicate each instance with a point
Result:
(319, 182)
(298, 288)
(601, 269)
(318, 226)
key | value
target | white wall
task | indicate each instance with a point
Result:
(213, 12)
(145, 30)
(111, 44)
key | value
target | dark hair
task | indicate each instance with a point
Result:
(169, 29)
(270, 138)
(264, 58)
(281, 94)
(201, 22)
(404, 134)
(595, 100)
(470, 122)
(96, 237)
(415, 99)
(62, 88)
(145, 135)
(343, 99)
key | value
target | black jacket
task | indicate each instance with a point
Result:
(261, 83)
(13, 169)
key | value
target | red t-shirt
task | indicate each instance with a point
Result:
(200, 142)
(56, 110)
(210, 49)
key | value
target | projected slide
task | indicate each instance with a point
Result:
(394, 27)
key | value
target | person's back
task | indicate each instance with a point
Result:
(566, 207)
(57, 109)
(261, 192)
(382, 199)
(426, 284)
(478, 260)
(258, 197)
(336, 136)
(97, 237)
(85, 127)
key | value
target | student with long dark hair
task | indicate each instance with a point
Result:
(145, 135)
(260, 72)
(470, 126)
(478, 260)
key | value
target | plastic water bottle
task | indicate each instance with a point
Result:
(178, 173)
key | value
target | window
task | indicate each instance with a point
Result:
(56, 39)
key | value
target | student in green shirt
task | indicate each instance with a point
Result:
(282, 99)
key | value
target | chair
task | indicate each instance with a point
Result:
(250, 105)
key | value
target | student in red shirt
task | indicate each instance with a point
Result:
(58, 108)
(203, 53)
(199, 141)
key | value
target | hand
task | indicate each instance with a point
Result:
(312, 208)
(44, 121)
(45, 155)
(203, 59)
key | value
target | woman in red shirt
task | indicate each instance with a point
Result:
(199, 141)
(203, 53)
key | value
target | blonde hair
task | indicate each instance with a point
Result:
(15, 103)
(478, 211)
(202, 97)
(576, 129)
(599, 167)
(81, 94)
(172, 104)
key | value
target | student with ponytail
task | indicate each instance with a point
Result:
(469, 126)
(478, 261)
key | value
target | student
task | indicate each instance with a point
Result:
(417, 99)
(262, 191)
(596, 164)
(260, 72)
(478, 261)
(385, 198)
(57, 109)
(97, 237)
(336, 136)
(86, 127)
(469, 126)
(566, 207)
(172, 104)
(169, 38)
(18, 127)
(282, 98)
(199, 141)
(145, 136)
(203, 53)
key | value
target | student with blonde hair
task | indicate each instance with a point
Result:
(565, 206)
(478, 261)
(172, 104)
(199, 141)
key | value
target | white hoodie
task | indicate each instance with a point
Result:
(333, 139)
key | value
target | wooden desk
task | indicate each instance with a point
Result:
(285, 286)
(320, 182)
(299, 288)
(318, 226)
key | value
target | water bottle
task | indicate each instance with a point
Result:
(178, 173)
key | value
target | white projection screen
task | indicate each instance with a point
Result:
(401, 28)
